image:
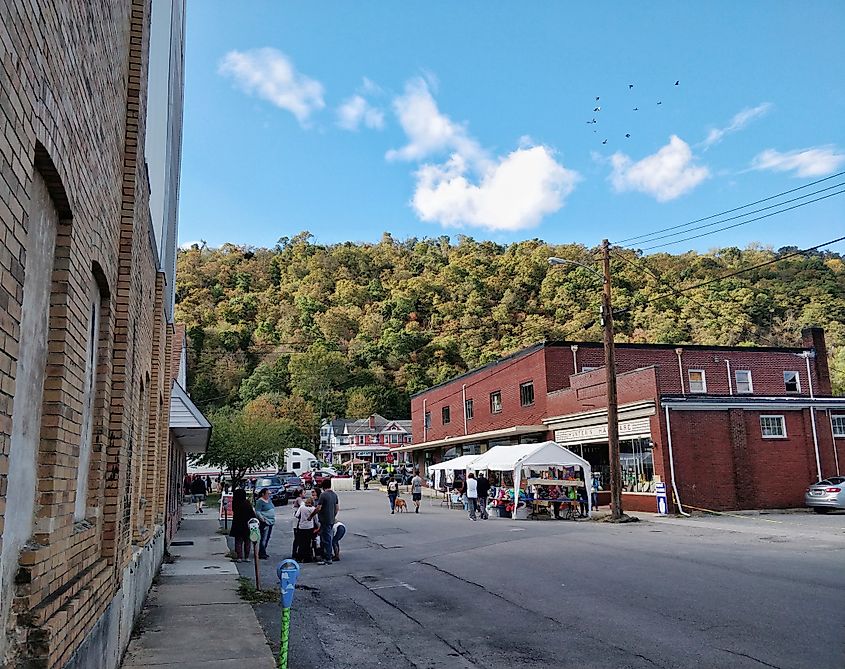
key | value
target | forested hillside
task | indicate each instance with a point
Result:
(303, 330)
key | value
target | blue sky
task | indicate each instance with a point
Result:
(352, 119)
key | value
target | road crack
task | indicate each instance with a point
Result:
(750, 657)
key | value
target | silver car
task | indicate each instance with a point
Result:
(826, 495)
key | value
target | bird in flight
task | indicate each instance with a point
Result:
(627, 134)
(604, 142)
(660, 103)
(636, 109)
(597, 109)
(678, 83)
(630, 86)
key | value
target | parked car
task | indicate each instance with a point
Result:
(315, 478)
(293, 485)
(276, 486)
(826, 495)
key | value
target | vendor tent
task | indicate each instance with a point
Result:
(531, 456)
(453, 465)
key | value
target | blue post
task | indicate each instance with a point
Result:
(288, 572)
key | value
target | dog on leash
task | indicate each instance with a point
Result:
(401, 505)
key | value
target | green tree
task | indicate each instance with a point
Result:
(268, 377)
(317, 375)
(240, 444)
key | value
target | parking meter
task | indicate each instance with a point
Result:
(255, 537)
(288, 572)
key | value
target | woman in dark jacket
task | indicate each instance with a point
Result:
(242, 512)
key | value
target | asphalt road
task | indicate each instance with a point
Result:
(438, 590)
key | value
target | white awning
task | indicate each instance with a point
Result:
(187, 424)
(455, 464)
(509, 458)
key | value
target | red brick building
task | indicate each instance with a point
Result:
(742, 427)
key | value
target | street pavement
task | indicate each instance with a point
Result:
(439, 590)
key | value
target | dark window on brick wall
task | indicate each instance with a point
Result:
(428, 419)
(446, 415)
(526, 394)
(792, 382)
(496, 402)
(468, 409)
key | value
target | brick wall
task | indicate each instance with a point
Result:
(72, 110)
(506, 377)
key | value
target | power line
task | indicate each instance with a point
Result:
(736, 225)
(640, 263)
(749, 213)
(727, 211)
(747, 269)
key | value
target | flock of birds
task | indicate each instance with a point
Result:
(597, 110)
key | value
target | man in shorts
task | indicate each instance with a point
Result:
(416, 490)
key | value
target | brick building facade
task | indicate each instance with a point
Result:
(731, 427)
(86, 447)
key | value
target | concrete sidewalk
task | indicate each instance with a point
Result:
(193, 617)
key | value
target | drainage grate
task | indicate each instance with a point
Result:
(181, 543)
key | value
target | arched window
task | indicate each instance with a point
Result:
(88, 394)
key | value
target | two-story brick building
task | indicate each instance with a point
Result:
(728, 427)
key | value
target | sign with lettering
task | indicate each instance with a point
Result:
(638, 427)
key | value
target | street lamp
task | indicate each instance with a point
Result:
(610, 372)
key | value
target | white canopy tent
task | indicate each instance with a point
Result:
(531, 456)
(456, 464)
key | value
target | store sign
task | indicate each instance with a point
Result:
(628, 428)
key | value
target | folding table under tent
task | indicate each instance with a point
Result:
(532, 456)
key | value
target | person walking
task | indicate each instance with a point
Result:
(198, 491)
(392, 493)
(266, 512)
(208, 485)
(326, 510)
(472, 495)
(483, 486)
(416, 490)
(242, 513)
(357, 480)
(595, 491)
(303, 531)
(338, 532)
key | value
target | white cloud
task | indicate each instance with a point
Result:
(815, 161)
(270, 75)
(429, 132)
(471, 188)
(664, 175)
(356, 110)
(512, 194)
(738, 122)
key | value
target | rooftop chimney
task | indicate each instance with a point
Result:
(373, 418)
(813, 338)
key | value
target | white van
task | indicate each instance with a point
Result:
(298, 461)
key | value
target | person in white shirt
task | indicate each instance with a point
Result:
(303, 531)
(472, 495)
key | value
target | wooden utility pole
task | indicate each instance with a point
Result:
(612, 403)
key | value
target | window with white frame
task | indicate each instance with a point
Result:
(526, 394)
(773, 427)
(743, 381)
(394, 438)
(697, 381)
(838, 424)
(446, 415)
(468, 409)
(792, 382)
(496, 402)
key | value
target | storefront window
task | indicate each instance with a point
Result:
(637, 461)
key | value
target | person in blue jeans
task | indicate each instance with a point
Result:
(327, 508)
(266, 513)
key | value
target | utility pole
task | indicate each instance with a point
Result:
(612, 402)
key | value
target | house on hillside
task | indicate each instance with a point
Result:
(370, 439)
